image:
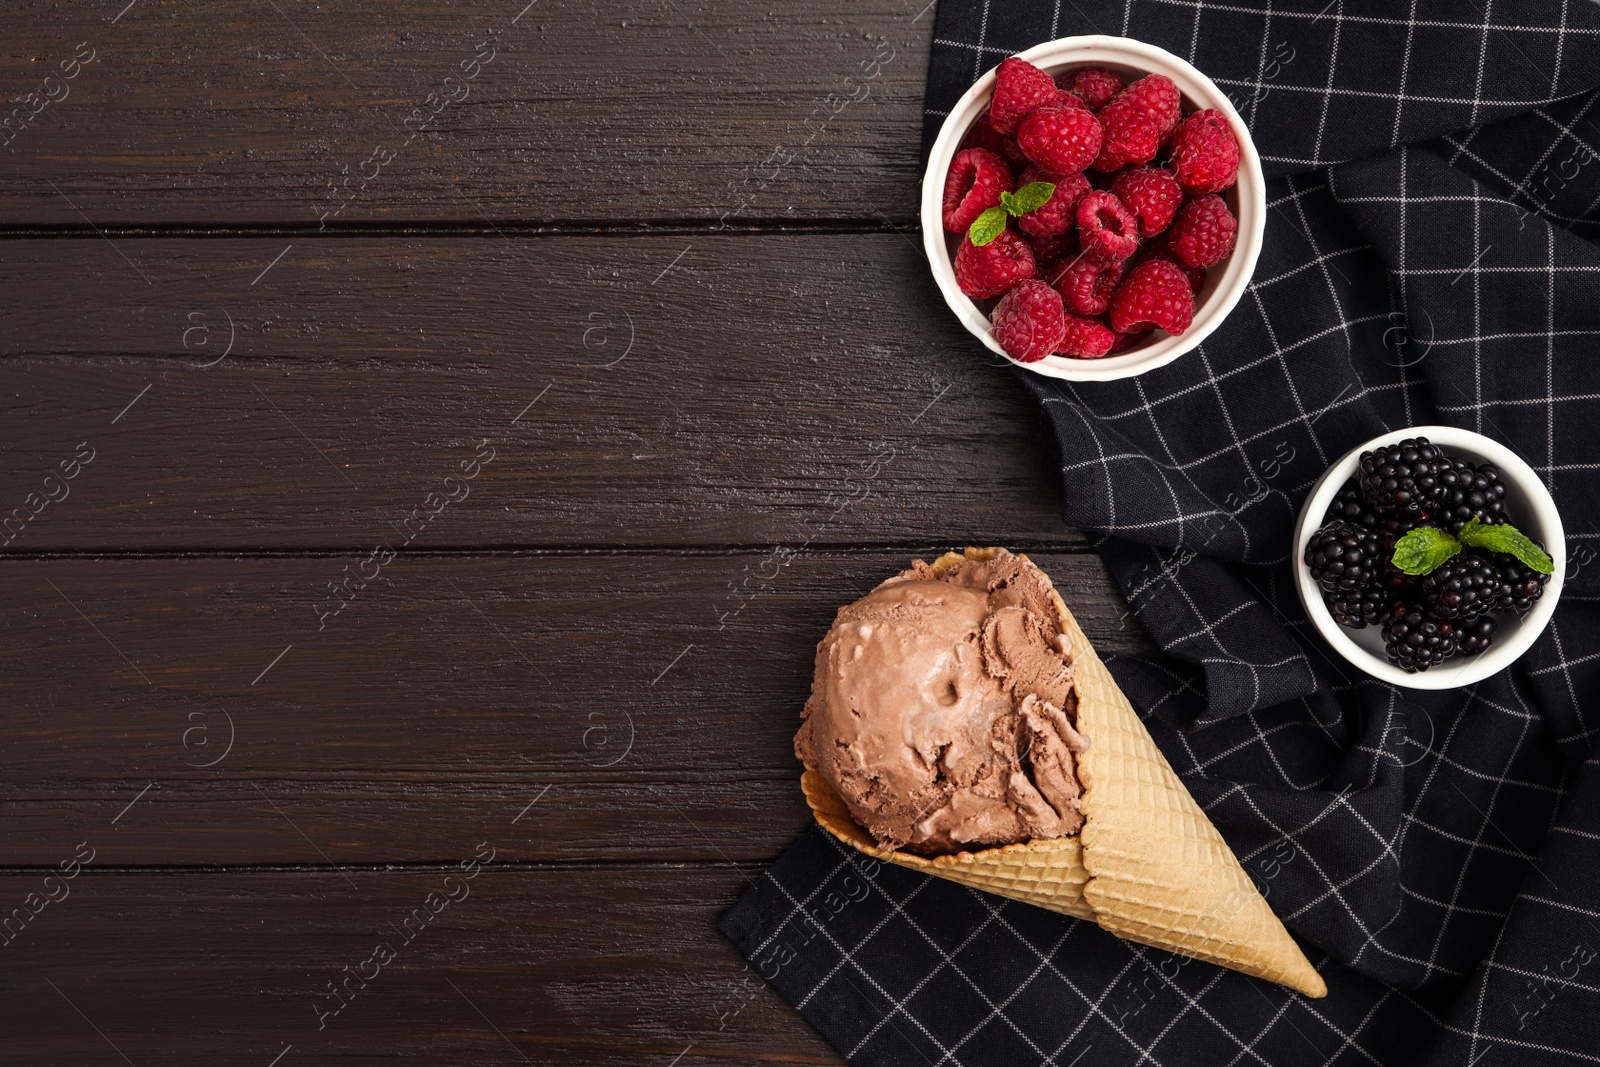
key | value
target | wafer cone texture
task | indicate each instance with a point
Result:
(1147, 865)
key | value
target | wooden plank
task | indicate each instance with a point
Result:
(612, 965)
(635, 391)
(647, 702)
(594, 657)
(304, 115)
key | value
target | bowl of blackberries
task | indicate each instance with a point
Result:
(1429, 557)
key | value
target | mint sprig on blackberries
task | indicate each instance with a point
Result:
(1426, 547)
(989, 225)
(1508, 539)
(1419, 544)
(1423, 549)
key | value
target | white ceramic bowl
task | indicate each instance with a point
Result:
(1528, 506)
(1247, 200)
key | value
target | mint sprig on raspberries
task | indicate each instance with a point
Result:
(1030, 197)
(1423, 549)
(989, 225)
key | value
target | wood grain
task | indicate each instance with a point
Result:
(614, 965)
(647, 701)
(659, 261)
(634, 111)
(758, 391)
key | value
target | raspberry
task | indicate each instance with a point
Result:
(1107, 230)
(989, 270)
(1132, 136)
(1060, 140)
(1028, 321)
(1085, 339)
(1155, 294)
(1124, 341)
(1019, 87)
(1011, 151)
(1058, 214)
(1153, 194)
(1203, 232)
(1157, 96)
(1087, 285)
(1096, 86)
(973, 186)
(1205, 153)
(1049, 251)
(982, 135)
(1068, 98)
(1159, 249)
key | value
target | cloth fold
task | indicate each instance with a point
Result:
(1430, 256)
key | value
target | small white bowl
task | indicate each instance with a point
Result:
(1530, 509)
(1247, 199)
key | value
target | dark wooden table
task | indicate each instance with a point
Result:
(436, 437)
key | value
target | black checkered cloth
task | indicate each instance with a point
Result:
(1430, 257)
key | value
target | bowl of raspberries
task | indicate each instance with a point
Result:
(1093, 208)
(1430, 557)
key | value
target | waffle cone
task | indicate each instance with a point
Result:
(1147, 866)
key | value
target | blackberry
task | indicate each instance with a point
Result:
(1346, 560)
(1462, 588)
(1474, 636)
(1519, 584)
(1344, 557)
(1389, 532)
(1471, 492)
(1414, 640)
(1405, 478)
(1350, 506)
(1358, 608)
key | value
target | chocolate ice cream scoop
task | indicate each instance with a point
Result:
(942, 709)
(958, 765)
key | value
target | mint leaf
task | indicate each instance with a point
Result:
(1508, 539)
(1423, 549)
(1030, 197)
(988, 226)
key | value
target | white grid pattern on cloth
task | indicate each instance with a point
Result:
(896, 1008)
(947, 960)
(1382, 202)
(845, 958)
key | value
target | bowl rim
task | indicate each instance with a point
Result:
(1545, 525)
(1231, 286)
